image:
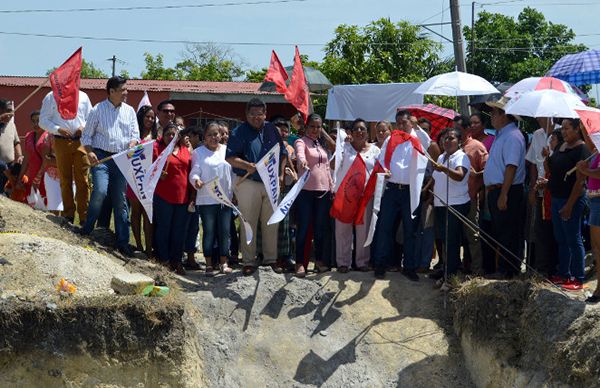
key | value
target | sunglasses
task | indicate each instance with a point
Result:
(168, 110)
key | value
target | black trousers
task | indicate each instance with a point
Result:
(507, 228)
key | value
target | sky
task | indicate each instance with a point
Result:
(250, 30)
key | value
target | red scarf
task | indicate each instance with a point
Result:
(396, 138)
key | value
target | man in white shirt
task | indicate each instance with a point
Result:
(112, 127)
(10, 146)
(545, 248)
(71, 159)
(396, 202)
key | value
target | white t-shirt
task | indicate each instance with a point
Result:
(349, 155)
(206, 165)
(458, 192)
(400, 161)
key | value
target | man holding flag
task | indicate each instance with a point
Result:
(247, 145)
(111, 128)
(401, 156)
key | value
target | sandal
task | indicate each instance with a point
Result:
(178, 269)
(593, 299)
(300, 271)
(248, 270)
(224, 268)
(209, 270)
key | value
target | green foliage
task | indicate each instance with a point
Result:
(256, 75)
(380, 52)
(88, 70)
(200, 62)
(510, 50)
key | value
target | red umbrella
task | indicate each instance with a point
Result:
(440, 117)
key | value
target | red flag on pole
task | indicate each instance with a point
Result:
(347, 198)
(297, 92)
(367, 195)
(277, 74)
(65, 86)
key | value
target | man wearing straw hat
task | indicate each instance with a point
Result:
(503, 177)
(111, 127)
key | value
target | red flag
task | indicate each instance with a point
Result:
(297, 92)
(65, 86)
(398, 137)
(368, 194)
(277, 74)
(347, 199)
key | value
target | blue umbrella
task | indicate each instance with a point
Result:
(578, 69)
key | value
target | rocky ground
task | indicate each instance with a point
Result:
(270, 329)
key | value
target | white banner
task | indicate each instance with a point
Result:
(155, 171)
(339, 148)
(286, 204)
(217, 193)
(268, 169)
(379, 185)
(134, 163)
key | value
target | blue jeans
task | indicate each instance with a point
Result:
(191, 233)
(394, 203)
(216, 222)
(312, 207)
(170, 223)
(107, 176)
(454, 233)
(571, 254)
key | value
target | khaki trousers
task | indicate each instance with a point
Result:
(344, 241)
(254, 204)
(73, 165)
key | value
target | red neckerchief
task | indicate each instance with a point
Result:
(398, 137)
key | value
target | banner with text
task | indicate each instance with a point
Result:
(217, 193)
(286, 204)
(134, 163)
(268, 169)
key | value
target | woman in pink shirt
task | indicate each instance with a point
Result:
(314, 201)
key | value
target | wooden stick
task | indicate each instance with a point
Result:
(103, 160)
(571, 171)
(32, 93)
(242, 179)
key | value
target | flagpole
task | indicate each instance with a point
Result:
(32, 93)
(242, 179)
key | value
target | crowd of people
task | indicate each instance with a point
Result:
(481, 195)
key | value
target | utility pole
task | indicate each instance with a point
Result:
(114, 62)
(459, 54)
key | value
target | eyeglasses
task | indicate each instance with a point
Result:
(168, 110)
(359, 129)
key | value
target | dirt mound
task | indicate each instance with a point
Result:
(522, 333)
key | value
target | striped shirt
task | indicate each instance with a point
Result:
(111, 128)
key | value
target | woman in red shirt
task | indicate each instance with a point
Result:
(171, 198)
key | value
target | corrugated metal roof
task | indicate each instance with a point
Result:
(153, 85)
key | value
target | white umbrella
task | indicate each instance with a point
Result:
(455, 84)
(545, 103)
(540, 83)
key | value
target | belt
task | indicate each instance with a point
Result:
(493, 187)
(398, 185)
(67, 138)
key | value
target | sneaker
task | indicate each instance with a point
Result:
(558, 280)
(343, 269)
(572, 285)
(410, 275)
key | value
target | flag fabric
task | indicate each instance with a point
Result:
(379, 186)
(348, 196)
(217, 193)
(145, 101)
(155, 171)
(286, 203)
(277, 74)
(339, 148)
(368, 194)
(591, 122)
(134, 163)
(268, 169)
(398, 137)
(297, 92)
(65, 86)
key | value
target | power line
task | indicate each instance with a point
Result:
(149, 8)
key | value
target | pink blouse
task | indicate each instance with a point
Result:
(313, 153)
(594, 183)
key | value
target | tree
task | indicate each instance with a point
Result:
(199, 62)
(88, 70)
(508, 50)
(380, 52)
